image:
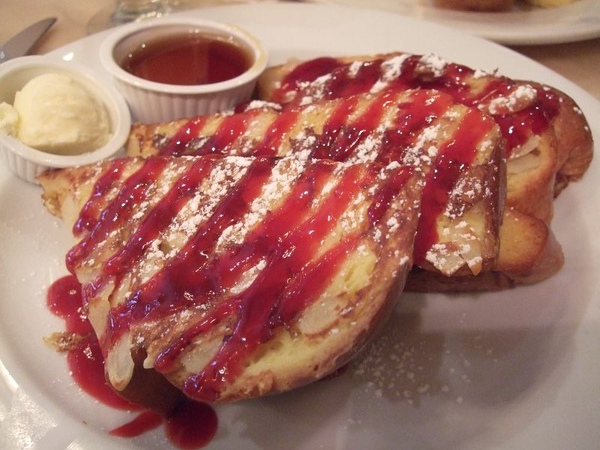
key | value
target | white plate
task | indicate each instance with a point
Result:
(522, 25)
(509, 370)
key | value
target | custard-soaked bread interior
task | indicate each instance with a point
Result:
(458, 149)
(236, 277)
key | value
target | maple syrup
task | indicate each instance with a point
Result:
(188, 59)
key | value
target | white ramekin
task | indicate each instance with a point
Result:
(150, 101)
(27, 162)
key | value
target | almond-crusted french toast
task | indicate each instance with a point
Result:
(548, 141)
(459, 149)
(235, 277)
(548, 144)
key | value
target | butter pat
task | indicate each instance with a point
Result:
(9, 119)
(56, 114)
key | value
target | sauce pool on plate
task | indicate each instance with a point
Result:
(192, 425)
(188, 59)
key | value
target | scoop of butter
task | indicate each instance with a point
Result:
(57, 114)
(9, 119)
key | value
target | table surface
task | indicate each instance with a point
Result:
(578, 61)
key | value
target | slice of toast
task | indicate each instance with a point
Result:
(529, 253)
(235, 277)
(458, 148)
(548, 139)
(549, 144)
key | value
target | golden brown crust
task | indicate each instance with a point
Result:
(532, 252)
(574, 142)
(531, 179)
(529, 253)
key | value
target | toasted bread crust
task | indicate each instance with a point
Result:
(573, 140)
(529, 253)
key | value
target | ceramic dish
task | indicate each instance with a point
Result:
(27, 162)
(522, 25)
(152, 101)
(504, 371)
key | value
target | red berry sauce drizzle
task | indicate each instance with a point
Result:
(191, 425)
(340, 139)
(519, 111)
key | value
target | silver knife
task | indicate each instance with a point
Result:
(21, 43)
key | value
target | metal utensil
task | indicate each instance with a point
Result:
(22, 42)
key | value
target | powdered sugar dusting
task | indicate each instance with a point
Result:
(432, 64)
(424, 151)
(409, 365)
(262, 104)
(354, 68)
(282, 178)
(192, 215)
(391, 69)
(518, 99)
